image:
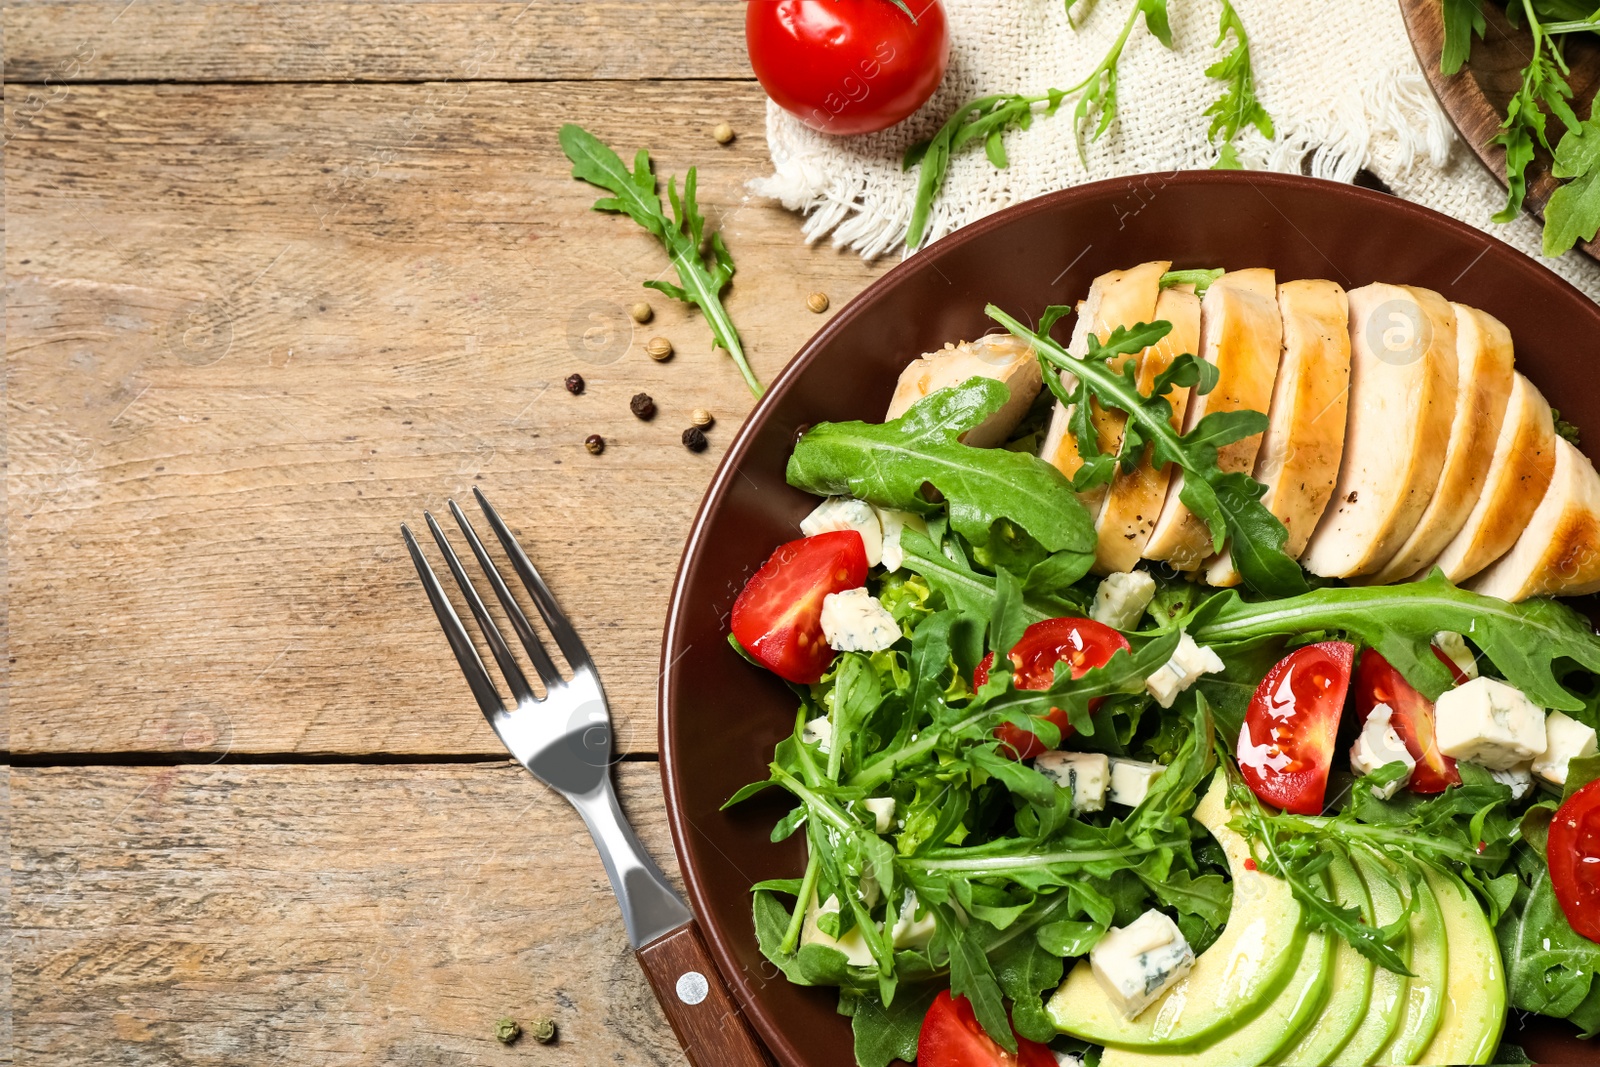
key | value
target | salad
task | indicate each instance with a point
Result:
(1192, 692)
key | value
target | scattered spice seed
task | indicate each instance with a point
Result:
(701, 418)
(506, 1031)
(575, 384)
(723, 133)
(694, 439)
(544, 1031)
(642, 406)
(595, 444)
(660, 349)
(817, 302)
(641, 312)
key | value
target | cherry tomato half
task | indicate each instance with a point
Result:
(951, 1037)
(778, 616)
(1574, 851)
(1379, 683)
(1286, 743)
(847, 66)
(1083, 643)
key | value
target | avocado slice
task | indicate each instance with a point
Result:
(1387, 1000)
(1232, 981)
(1425, 992)
(1256, 1042)
(1349, 982)
(1475, 984)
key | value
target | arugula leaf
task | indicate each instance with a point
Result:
(1544, 86)
(1229, 503)
(1025, 972)
(1563, 427)
(1237, 107)
(886, 1034)
(1462, 19)
(1550, 968)
(702, 276)
(889, 464)
(1524, 641)
(987, 118)
(1200, 277)
(1573, 213)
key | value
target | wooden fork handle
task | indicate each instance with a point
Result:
(708, 1021)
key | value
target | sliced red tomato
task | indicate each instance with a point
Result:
(1286, 743)
(1083, 643)
(778, 616)
(1574, 851)
(951, 1037)
(1379, 683)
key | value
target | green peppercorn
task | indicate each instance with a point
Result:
(507, 1031)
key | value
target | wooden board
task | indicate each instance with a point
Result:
(57, 42)
(252, 329)
(1476, 97)
(329, 915)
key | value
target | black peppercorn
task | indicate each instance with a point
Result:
(595, 444)
(642, 406)
(574, 384)
(694, 439)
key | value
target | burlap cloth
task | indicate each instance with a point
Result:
(1339, 77)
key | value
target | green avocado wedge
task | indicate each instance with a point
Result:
(1257, 1041)
(1387, 1000)
(1475, 986)
(1232, 981)
(1349, 983)
(1425, 992)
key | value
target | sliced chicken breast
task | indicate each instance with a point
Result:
(1402, 404)
(1117, 298)
(1558, 552)
(1300, 452)
(1483, 386)
(999, 356)
(1519, 473)
(1134, 499)
(1241, 332)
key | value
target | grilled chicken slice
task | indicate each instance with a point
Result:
(1300, 452)
(1241, 332)
(1117, 298)
(998, 356)
(1483, 386)
(1402, 404)
(1519, 473)
(1134, 499)
(1558, 552)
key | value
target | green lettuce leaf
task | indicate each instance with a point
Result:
(889, 465)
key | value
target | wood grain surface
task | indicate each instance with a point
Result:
(268, 915)
(1475, 98)
(63, 41)
(252, 329)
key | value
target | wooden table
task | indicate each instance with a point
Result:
(280, 275)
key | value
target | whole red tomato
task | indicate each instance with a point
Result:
(847, 66)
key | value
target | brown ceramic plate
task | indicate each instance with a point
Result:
(720, 717)
(1475, 97)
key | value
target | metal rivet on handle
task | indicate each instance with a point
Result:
(692, 987)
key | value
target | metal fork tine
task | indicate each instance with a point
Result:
(519, 622)
(520, 689)
(543, 599)
(460, 643)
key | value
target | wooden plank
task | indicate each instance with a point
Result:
(253, 329)
(329, 914)
(56, 42)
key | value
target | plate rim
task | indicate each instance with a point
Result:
(1528, 270)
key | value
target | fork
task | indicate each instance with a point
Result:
(564, 740)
